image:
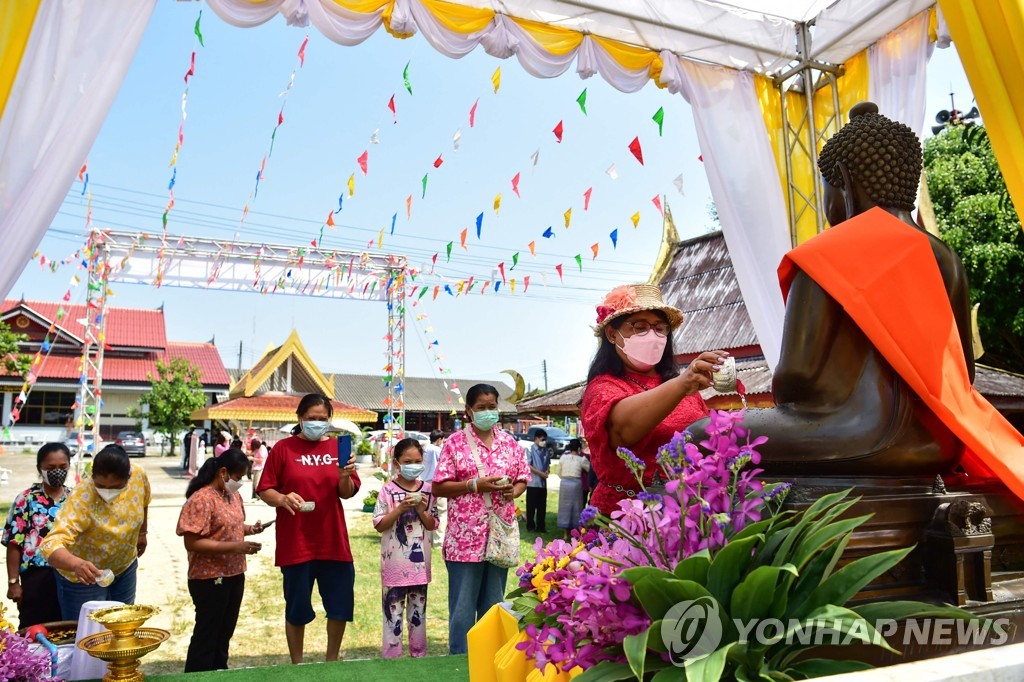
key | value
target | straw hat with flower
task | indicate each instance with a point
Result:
(632, 298)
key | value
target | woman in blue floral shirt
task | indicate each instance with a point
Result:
(30, 580)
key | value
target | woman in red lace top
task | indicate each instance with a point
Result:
(636, 397)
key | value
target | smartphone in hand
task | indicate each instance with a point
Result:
(267, 524)
(344, 450)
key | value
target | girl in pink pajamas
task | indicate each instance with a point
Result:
(405, 514)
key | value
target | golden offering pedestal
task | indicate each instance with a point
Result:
(125, 642)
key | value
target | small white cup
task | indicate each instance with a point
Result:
(307, 506)
(725, 377)
(416, 497)
(106, 578)
(502, 481)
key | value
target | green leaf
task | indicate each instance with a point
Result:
(635, 648)
(821, 667)
(773, 540)
(754, 596)
(606, 671)
(820, 538)
(670, 674)
(728, 565)
(694, 567)
(819, 568)
(709, 668)
(842, 585)
(850, 627)
(657, 596)
(806, 524)
(656, 643)
(901, 610)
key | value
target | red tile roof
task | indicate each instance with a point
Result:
(138, 370)
(126, 327)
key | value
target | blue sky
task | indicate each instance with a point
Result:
(338, 100)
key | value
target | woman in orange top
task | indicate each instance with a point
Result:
(212, 522)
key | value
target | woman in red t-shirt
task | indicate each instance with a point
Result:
(302, 478)
(636, 397)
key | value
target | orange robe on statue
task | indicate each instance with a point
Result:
(883, 272)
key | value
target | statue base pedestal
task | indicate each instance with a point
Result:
(968, 539)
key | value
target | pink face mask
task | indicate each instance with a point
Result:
(644, 352)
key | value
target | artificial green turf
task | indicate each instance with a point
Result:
(430, 669)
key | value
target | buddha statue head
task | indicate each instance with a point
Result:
(872, 161)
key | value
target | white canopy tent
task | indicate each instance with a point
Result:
(718, 55)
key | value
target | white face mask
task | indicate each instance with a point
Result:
(109, 494)
(232, 486)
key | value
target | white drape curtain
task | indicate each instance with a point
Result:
(744, 180)
(897, 68)
(73, 66)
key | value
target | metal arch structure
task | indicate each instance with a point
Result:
(251, 267)
(803, 135)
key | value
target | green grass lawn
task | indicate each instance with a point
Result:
(259, 638)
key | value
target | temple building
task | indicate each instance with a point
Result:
(136, 339)
(263, 399)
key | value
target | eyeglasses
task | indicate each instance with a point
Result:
(641, 327)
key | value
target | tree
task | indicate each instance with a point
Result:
(976, 218)
(175, 394)
(14, 362)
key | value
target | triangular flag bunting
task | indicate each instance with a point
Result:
(594, 248)
(515, 261)
(635, 218)
(501, 269)
(472, 114)
(533, 248)
(586, 198)
(568, 217)
(462, 238)
(657, 203)
(362, 160)
(424, 186)
(497, 204)
(526, 283)
(678, 182)
(479, 224)
(456, 138)
(405, 78)
(558, 132)
(330, 219)
(449, 248)
(634, 147)
(615, 238)
(496, 79)
(391, 106)
(535, 157)
(515, 185)
(558, 269)
(352, 185)
(582, 101)
(659, 118)
(408, 207)
(548, 233)
(438, 161)
(579, 261)
(612, 173)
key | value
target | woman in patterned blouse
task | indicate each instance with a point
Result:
(213, 525)
(30, 580)
(101, 527)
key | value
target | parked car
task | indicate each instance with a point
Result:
(133, 442)
(87, 444)
(558, 439)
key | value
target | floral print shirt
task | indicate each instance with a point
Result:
(104, 533)
(31, 517)
(213, 515)
(466, 537)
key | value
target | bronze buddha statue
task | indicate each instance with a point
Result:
(841, 408)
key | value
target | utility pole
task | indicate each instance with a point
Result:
(239, 357)
(544, 365)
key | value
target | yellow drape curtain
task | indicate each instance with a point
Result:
(460, 18)
(988, 34)
(852, 87)
(16, 20)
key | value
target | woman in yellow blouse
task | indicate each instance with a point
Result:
(99, 534)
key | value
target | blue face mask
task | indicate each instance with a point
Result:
(411, 472)
(315, 430)
(485, 419)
